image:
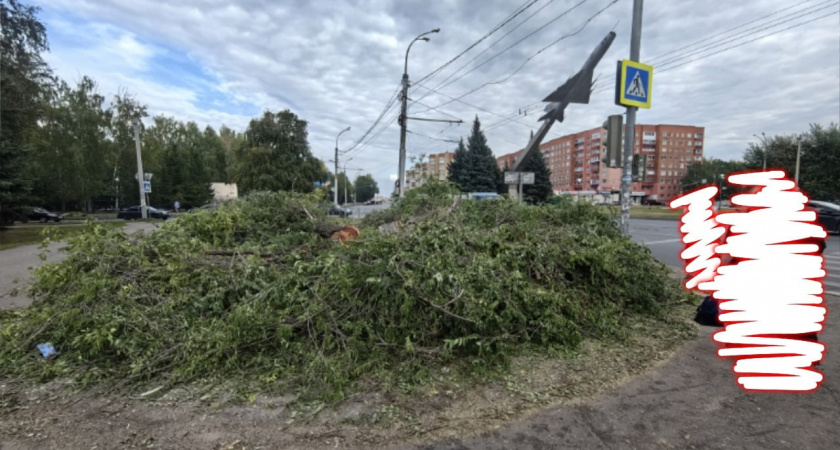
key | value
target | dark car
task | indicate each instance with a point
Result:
(42, 215)
(651, 202)
(828, 215)
(339, 211)
(135, 213)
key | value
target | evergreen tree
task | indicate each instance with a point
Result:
(502, 187)
(541, 190)
(480, 172)
(458, 163)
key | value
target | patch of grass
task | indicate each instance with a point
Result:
(16, 237)
(647, 212)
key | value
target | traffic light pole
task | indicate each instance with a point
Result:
(630, 129)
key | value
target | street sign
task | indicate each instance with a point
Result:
(147, 187)
(635, 84)
(513, 177)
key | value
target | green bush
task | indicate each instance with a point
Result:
(250, 290)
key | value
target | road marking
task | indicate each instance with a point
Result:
(665, 241)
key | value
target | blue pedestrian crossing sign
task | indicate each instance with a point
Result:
(147, 187)
(635, 83)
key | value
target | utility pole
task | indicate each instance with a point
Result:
(335, 189)
(346, 180)
(630, 130)
(798, 153)
(404, 108)
(140, 174)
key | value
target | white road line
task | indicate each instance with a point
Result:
(665, 241)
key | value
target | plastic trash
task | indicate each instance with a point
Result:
(46, 349)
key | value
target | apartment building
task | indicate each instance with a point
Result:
(665, 151)
(436, 166)
(439, 164)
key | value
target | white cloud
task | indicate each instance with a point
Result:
(336, 63)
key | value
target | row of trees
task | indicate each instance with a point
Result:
(819, 163)
(474, 169)
(67, 147)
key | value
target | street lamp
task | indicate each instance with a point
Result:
(335, 191)
(404, 110)
(345, 179)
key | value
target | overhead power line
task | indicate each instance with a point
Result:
(388, 106)
(577, 31)
(446, 81)
(678, 64)
(674, 61)
(521, 9)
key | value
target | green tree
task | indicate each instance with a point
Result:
(478, 171)
(502, 188)
(24, 87)
(705, 172)
(125, 108)
(344, 186)
(541, 190)
(458, 163)
(71, 148)
(366, 187)
(275, 155)
(819, 161)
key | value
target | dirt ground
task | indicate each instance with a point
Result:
(656, 393)
(665, 388)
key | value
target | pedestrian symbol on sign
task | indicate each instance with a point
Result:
(636, 89)
(634, 84)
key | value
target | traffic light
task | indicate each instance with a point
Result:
(614, 126)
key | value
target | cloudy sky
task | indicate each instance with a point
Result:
(736, 68)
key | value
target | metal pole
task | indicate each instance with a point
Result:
(764, 153)
(404, 109)
(520, 188)
(403, 121)
(335, 189)
(140, 174)
(798, 153)
(630, 129)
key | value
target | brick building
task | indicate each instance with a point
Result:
(576, 163)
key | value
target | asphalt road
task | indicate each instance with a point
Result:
(360, 211)
(16, 264)
(663, 239)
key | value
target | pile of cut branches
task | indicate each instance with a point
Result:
(251, 290)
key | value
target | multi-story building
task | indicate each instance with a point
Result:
(577, 164)
(416, 176)
(437, 166)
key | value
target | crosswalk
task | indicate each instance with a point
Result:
(831, 282)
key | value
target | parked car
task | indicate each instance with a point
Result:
(42, 215)
(828, 215)
(651, 202)
(135, 213)
(339, 211)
